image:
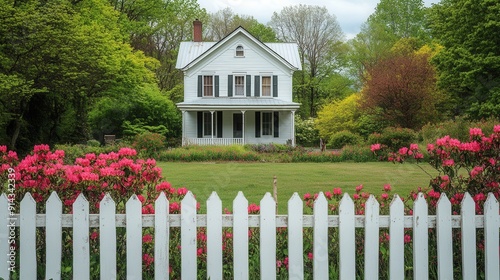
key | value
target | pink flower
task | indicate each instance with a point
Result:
(430, 147)
(163, 186)
(199, 252)
(127, 152)
(375, 147)
(413, 146)
(147, 259)
(477, 170)
(387, 188)
(479, 197)
(407, 238)
(384, 196)
(253, 208)
(307, 196)
(475, 132)
(279, 263)
(403, 151)
(174, 207)
(310, 255)
(94, 235)
(328, 195)
(448, 162)
(359, 188)
(182, 191)
(355, 196)
(147, 238)
(496, 128)
(337, 191)
(3, 149)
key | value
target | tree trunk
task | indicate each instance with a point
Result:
(15, 134)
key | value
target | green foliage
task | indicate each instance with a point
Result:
(342, 138)
(457, 128)
(93, 143)
(468, 66)
(338, 116)
(145, 111)
(149, 144)
(357, 153)
(394, 137)
(306, 133)
(72, 152)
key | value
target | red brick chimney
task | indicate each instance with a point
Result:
(197, 31)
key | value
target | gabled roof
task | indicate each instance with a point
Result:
(192, 52)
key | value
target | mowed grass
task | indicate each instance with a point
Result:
(255, 179)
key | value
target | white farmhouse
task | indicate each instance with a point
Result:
(237, 90)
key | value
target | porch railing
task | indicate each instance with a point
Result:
(212, 141)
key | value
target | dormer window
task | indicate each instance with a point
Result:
(240, 51)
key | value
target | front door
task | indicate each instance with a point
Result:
(237, 125)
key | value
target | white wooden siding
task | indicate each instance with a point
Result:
(224, 63)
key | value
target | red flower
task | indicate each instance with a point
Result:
(387, 187)
(310, 255)
(337, 191)
(147, 238)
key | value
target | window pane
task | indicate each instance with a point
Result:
(207, 124)
(239, 51)
(267, 124)
(266, 86)
(239, 85)
(208, 86)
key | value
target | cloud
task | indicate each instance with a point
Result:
(350, 13)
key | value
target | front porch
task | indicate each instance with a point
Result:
(211, 141)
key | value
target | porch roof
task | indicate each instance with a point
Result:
(228, 103)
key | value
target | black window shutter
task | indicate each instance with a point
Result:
(275, 86)
(257, 124)
(276, 124)
(200, 85)
(229, 85)
(216, 88)
(257, 86)
(249, 85)
(200, 124)
(219, 124)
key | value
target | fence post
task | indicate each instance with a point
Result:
(53, 237)
(396, 241)
(162, 237)
(240, 236)
(372, 238)
(295, 237)
(188, 237)
(107, 237)
(468, 227)
(346, 238)
(27, 263)
(420, 238)
(81, 251)
(320, 235)
(214, 237)
(491, 242)
(267, 237)
(444, 241)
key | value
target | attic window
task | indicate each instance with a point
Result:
(239, 51)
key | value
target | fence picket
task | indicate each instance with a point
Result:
(27, 235)
(81, 251)
(267, 237)
(240, 236)
(420, 238)
(214, 237)
(295, 238)
(444, 238)
(396, 241)
(372, 210)
(188, 240)
(4, 237)
(491, 238)
(162, 238)
(468, 208)
(53, 237)
(134, 238)
(346, 238)
(320, 235)
(107, 237)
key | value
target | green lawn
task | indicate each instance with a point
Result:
(255, 179)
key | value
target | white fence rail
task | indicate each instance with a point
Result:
(212, 141)
(107, 222)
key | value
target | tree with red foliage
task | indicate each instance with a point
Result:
(401, 90)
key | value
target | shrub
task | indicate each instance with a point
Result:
(357, 153)
(72, 152)
(149, 144)
(306, 133)
(93, 143)
(457, 128)
(393, 137)
(342, 138)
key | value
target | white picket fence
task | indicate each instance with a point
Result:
(107, 222)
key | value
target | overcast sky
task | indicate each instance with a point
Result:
(350, 13)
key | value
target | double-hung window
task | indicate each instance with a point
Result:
(208, 86)
(266, 85)
(239, 85)
(267, 123)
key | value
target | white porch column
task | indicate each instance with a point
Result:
(183, 128)
(293, 128)
(212, 124)
(243, 127)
